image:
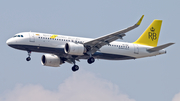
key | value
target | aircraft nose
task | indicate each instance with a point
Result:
(9, 42)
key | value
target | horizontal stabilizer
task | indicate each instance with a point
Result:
(159, 47)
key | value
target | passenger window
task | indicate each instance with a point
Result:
(21, 35)
(18, 35)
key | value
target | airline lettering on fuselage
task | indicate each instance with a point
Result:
(152, 35)
(124, 46)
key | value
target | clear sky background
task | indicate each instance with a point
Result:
(147, 79)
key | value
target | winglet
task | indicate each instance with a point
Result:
(140, 20)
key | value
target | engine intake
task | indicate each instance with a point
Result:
(51, 60)
(74, 49)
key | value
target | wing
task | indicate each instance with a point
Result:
(94, 45)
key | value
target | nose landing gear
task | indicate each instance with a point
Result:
(28, 58)
(29, 54)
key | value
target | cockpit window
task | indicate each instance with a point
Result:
(18, 36)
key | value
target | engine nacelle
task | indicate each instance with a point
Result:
(51, 60)
(74, 49)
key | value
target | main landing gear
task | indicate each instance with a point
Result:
(29, 54)
(90, 60)
(75, 68)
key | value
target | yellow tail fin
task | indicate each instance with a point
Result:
(151, 34)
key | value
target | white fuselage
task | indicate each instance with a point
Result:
(41, 42)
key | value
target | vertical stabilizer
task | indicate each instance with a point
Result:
(151, 34)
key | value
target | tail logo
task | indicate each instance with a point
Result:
(152, 34)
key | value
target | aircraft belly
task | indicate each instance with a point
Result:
(51, 50)
(118, 51)
(39, 49)
(111, 56)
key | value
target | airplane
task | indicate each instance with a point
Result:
(59, 49)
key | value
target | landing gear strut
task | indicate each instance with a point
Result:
(29, 54)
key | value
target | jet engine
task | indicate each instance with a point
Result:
(74, 49)
(51, 60)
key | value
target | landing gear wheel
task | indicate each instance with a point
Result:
(75, 68)
(90, 60)
(29, 54)
(28, 59)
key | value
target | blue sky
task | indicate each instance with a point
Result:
(147, 79)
